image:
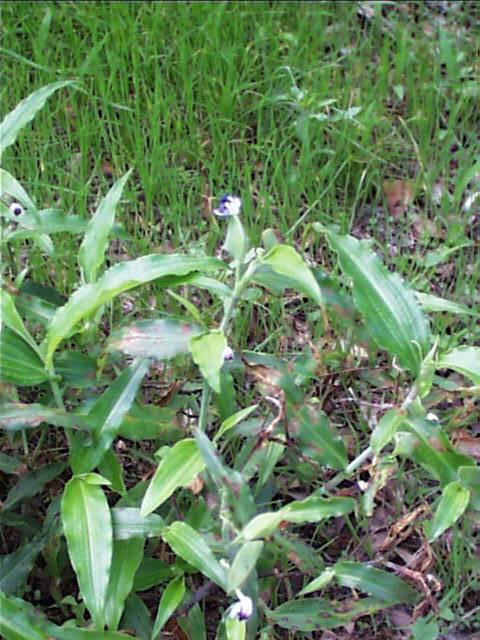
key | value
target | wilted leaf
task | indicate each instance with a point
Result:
(399, 195)
(157, 339)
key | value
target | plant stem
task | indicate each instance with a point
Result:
(367, 453)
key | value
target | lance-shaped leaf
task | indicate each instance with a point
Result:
(243, 563)
(430, 302)
(106, 416)
(88, 529)
(21, 365)
(15, 567)
(171, 598)
(95, 240)
(392, 314)
(128, 523)
(9, 186)
(31, 483)
(25, 111)
(178, 467)
(386, 429)
(452, 504)
(376, 582)
(11, 317)
(116, 280)
(192, 547)
(15, 416)
(44, 221)
(312, 509)
(465, 360)
(19, 620)
(317, 439)
(157, 339)
(127, 555)
(286, 261)
(207, 352)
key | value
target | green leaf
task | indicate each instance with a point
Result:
(9, 186)
(21, 365)
(191, 546)
(233, 420)
(111, 469)
(8, 464)
(207, 352)
(244, 562)
(136, 616)
(153, 571)
(465, 360)
(156, 339)
(377, 583)
(469, 477)
(14, 416)
(105, 417)
(88, 529)
(177, 468)
(95, 241)
(15, 567)
(392, 314)
(19, 620)
(119, 278)
(386, 429)
(451, 507)
(25, 111)
(150, 422)
(11, 317)
(317, 439)
(433, 303)
(171, 599)
(311, 614)
(286, 261)
(31, 483)
(128, 523)
(312, 509)
(32, 223)
(127, 555)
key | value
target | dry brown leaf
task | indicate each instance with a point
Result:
(399, 195)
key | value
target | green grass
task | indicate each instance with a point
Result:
(202, 98)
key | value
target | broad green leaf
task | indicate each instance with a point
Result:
(469, 477)
(191, 546)
(10, 316)
(127, 555)
(105, 417)
(116, 280)
(312, 509)
(451, 507)
(31, 483)
(286, 261)
(433, 303)
(25, 111)
(128, 523)
(45, 221)
(207, 352)
(95, 241)
(386, 429)
(88, 529)
(380, 584)
(77, 369)
(14, 416)
(21, 365)
(153, 571)
(233, 420)
(465, 360)
(8, 464)
(244, 562)
(9, 186)
(19, 620)
(171, 599)
(151, 422)
(177, 468)
(311, 614)
(156, 339)
(317, 439)
(136, 616)
(15, 567)
(392, 314)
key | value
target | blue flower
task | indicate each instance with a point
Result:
(229, 205)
